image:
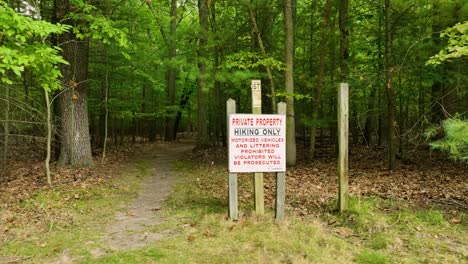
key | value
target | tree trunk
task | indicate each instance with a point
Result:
(256, 31)
(370, 117)
(73, 104)
(49, 137)
(220, 101)
(106, 116)
(184, 99)
(289, 83)
(389, 89)
(344, 40)
(421, 105)
(172, 72)
(321, 77)
(202, 139)
(333, 126)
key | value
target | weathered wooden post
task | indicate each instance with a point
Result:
(280, 179)
(256, 86)
(343, 113)
(233, 204)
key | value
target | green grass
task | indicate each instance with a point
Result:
(371, 257)
(373, 230)
(398, 234)
(147, 255)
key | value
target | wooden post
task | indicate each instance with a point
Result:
(343, 113)
(280, 179)
(233, 204)
(258, 176)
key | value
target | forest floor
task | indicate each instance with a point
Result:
(161, 203)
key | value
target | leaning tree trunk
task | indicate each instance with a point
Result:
(73, 104)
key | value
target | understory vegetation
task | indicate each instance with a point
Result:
(373, 230)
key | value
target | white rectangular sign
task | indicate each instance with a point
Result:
(256, 93)
(257, 143)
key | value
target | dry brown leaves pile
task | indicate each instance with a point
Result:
(421, 178)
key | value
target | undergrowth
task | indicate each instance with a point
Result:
(373, 230)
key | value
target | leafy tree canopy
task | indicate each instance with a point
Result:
(24, 45)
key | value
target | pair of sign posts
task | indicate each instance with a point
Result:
(257, 143)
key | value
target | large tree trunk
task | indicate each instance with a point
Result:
(202, 139)
(289, 83)
(73, 105)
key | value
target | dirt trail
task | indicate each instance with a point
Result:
(132, 227)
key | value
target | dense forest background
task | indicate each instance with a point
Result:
(80, 75)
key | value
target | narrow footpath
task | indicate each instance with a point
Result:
(131, 228)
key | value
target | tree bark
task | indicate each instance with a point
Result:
(202, 139)
(289, 83)
(73, 104)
